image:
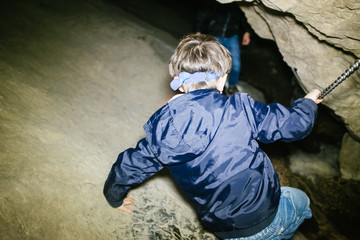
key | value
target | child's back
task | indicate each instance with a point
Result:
(209, 143)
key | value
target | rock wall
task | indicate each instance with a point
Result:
(320, 39)
(349, 158)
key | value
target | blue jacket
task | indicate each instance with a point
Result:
(209, 143)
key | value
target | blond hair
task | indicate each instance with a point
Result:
(200, 53)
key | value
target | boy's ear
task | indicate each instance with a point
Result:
(223, 78)
(220, 83)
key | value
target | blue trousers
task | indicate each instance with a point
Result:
(294, 208)
(232, 44)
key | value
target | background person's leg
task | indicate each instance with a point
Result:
(234, 48)
(232, 44)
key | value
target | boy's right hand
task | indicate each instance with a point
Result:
(313, 95)
(127, 201)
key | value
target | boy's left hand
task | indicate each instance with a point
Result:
(127, 201)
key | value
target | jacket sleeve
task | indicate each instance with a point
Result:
(275, 122)
(244, 23)
(131, 168)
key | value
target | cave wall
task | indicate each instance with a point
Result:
(321, 39)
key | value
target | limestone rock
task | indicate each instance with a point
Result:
(349, 158)
(321, 40)
(255, 93)
(75, 91)
(314, 165)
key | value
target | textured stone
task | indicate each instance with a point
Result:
(321, 39)
(349, 158)
(75, 90)
(313, 165)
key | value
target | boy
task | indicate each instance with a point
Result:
(208, 142)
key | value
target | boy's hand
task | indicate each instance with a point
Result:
(127, 201)
(313, 95)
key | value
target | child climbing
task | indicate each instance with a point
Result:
(209, 143)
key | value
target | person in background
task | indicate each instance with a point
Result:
(227, 23)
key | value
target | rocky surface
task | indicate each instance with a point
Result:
(349, 158)
(321, 40)
(78, 81)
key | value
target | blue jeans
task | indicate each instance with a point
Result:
(232, 44)
(294, 208)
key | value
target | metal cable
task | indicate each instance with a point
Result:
(340, 79)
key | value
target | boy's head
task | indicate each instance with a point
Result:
(198, 62)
